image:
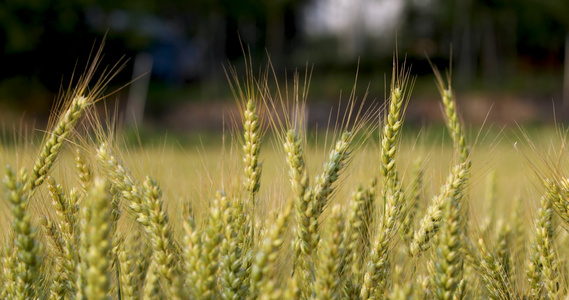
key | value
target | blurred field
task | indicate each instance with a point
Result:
(192, 169)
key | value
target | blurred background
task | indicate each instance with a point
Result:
(509, 57)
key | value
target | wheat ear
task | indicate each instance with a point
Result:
(262, 273)
(208, 262)
(151, 288)
(192, 253)
(544, 242)
(233, 272)
(336, 162)
(415, 196)
(57, 286)
(124, 184)
(66, 211)
(84, 168)
(126, 258)
(449, 261)
(158, 231)
(453, 122)
(402, 292)
(8, 271)
(430, 223)
(99, 241)
(393, 203)
(28, 249)
(492, 272)
(503, 250)
(52, 146)
(353, 234)
(377, 264)
(251, 147)
(303, 240)
(328, 281)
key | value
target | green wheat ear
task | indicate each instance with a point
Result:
(328, 283)
(57, 137)
(27, 260)
(262, 274)
(75, 104)
(98, 235)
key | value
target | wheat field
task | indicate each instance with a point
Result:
(367, 210)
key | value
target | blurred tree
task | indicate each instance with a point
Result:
(491, 38)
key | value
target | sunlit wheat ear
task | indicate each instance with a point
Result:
(492, 272)
(400, 90)
(191, 252)
(97, 256)
(544, 246)
(74, 104)
(489, 223)
(402, 292)
(252, 144)
(53, 144)
(558, 193)
(51, 239)
(534, 272)
(449, 260)
(124, 184)
(263, 281)
(356, 238)
(320, 194)
(517, 245)
(252, 137)
(151, 288)
(337, 159)
(503, 250)
(27, 248)
(158, 231)
(422, 285)
(302, 243)
(84, 169)
(352, 239)
(127, 269)
(57, 284)
(233, 272)
(328, 281)
(62, 210)
(415, 197)
(208, 264)
(67, 214)
(247, 91)
(292, 290)
(377, 264)
(8, 271)
(430, 223)
(453, 122)
(82, 250)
